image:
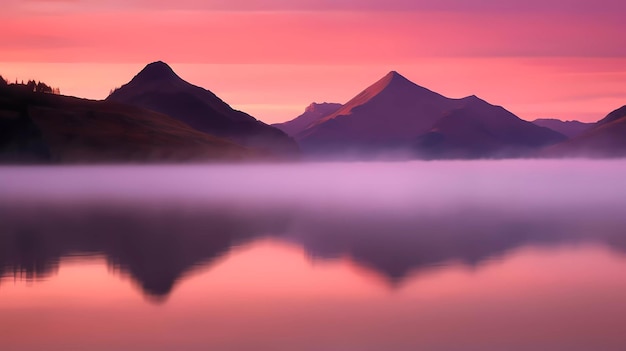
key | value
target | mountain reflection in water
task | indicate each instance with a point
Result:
(158, 243)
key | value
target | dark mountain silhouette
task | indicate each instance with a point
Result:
(395, 114)
(606, 139)
(42, 127)
(158, 88)
(312, 113)
(568, 128)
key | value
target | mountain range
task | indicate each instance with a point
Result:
(395, 115)
(159, 117)
(570, 129)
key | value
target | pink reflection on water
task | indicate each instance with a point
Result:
(566, 299)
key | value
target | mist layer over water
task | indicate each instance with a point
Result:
(425, 184)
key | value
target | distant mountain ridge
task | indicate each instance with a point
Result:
(605, 139)
(157, 87)
(568, 128)
(397, 115)
(312, 114)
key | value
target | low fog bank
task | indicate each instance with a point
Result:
(413, 185)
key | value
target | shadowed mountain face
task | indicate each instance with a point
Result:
(312, 114)
(615, 116)
(394, 114)
(606, 139)
(39, 127)
(477, 129)
(568, 128)
(158, 88)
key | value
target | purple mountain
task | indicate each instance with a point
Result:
(312, 114)
(607, 138)
(158, 88)
(397, 115)
(568, 128)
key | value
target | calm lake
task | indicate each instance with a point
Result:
(444, 255)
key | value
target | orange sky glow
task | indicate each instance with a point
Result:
(543, 59)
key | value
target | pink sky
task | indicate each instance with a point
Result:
(550, 58)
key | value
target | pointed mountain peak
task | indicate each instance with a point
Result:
(394, 74)
(473, 99)
(394, 77)
(392, 83)
(157, 71)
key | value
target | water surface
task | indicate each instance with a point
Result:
(511, 255)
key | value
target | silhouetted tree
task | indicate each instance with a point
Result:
(31, 85)
(3, 82)
(43, 88)
(34, 86)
